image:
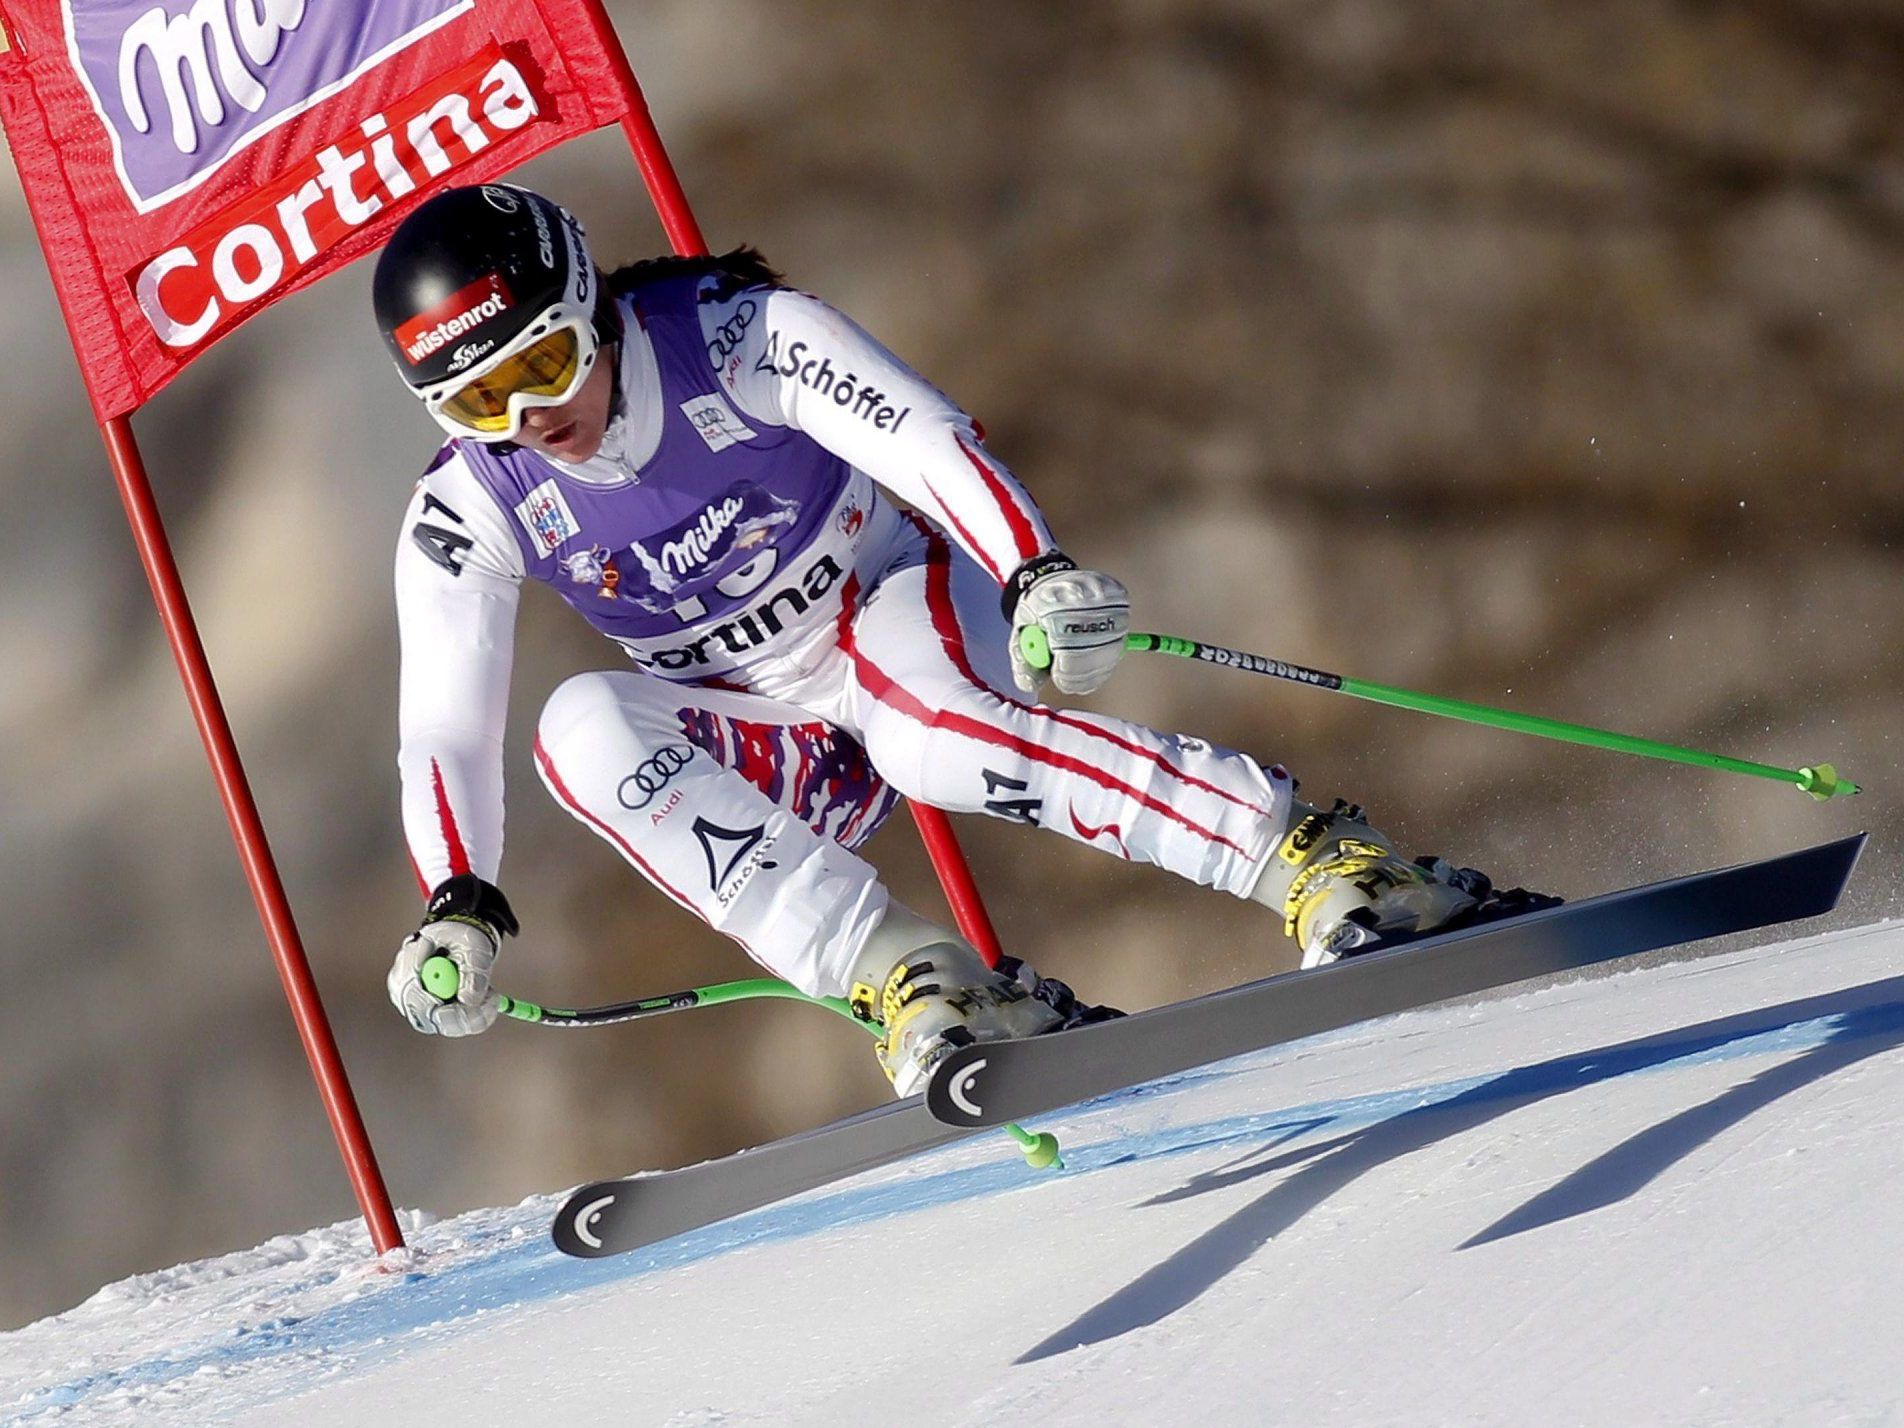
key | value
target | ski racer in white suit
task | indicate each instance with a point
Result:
(704, 463)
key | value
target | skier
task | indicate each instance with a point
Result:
(702, 461)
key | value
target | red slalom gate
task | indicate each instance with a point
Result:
(157, 253)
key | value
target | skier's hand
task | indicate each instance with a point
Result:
(466, 920)
(1080, 618)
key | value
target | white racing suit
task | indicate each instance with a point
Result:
(804, 651)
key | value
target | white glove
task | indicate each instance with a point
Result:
(465, 923)
(1083, 616)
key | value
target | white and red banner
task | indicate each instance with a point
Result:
(190, 162)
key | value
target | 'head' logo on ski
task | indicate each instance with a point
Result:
(584, 1222)
(959, 1089)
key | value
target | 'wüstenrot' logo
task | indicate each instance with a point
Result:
(462, 311)
(183, 85)
(249, 251)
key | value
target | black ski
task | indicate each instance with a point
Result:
(612, 1216)
(1000, 1081)
(1013, 1080)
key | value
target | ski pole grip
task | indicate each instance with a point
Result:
(1035, 645)
(440, 977)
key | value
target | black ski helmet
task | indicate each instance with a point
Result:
(476, 273)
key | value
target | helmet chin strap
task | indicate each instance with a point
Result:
(608, 319)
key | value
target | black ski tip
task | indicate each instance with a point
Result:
(1838, 859)
(585, 1225)
(1822, 871)
(1845, 852)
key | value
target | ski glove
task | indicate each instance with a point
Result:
(465, 922)
(1083, 614)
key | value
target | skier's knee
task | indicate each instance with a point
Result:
(577, 702)
(925, 759)
(895, 755)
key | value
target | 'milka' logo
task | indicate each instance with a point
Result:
(183, 85)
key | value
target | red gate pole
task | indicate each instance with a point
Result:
(247, 831)
(677, 221)
(955, 876)
(651, 156)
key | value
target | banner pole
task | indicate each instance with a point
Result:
(651, 155)
(684, 233)
(664, 185)
(247, 831)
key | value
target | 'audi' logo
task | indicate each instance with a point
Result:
(729, 334)
(653, 775)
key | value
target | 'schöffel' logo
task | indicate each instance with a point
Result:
(183, 85)
(816, 374)
(733, 856)
(249, 251)
(462, 311)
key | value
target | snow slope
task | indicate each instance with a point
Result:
(1666, 1196)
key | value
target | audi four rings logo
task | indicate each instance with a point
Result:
(653, 775)
(729, 334)
(959, 1089)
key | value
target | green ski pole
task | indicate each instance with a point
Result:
(441, 979)
(1821, 781)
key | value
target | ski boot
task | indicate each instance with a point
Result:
(932, 992)
(1341, 887)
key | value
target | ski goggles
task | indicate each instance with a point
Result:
(543, 366)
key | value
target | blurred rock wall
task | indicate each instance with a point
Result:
(1535, 354)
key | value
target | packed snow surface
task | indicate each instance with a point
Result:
(1668, 1196)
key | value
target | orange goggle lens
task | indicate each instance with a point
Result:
(547, 368)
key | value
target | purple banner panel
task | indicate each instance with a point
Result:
(183, 85)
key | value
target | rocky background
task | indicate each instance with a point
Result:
(1537, 354)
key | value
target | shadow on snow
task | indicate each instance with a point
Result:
(1867, 1021)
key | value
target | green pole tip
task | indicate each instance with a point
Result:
(1822, 781)
(1035, 645)
(440, 978)
(1041, 1150)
